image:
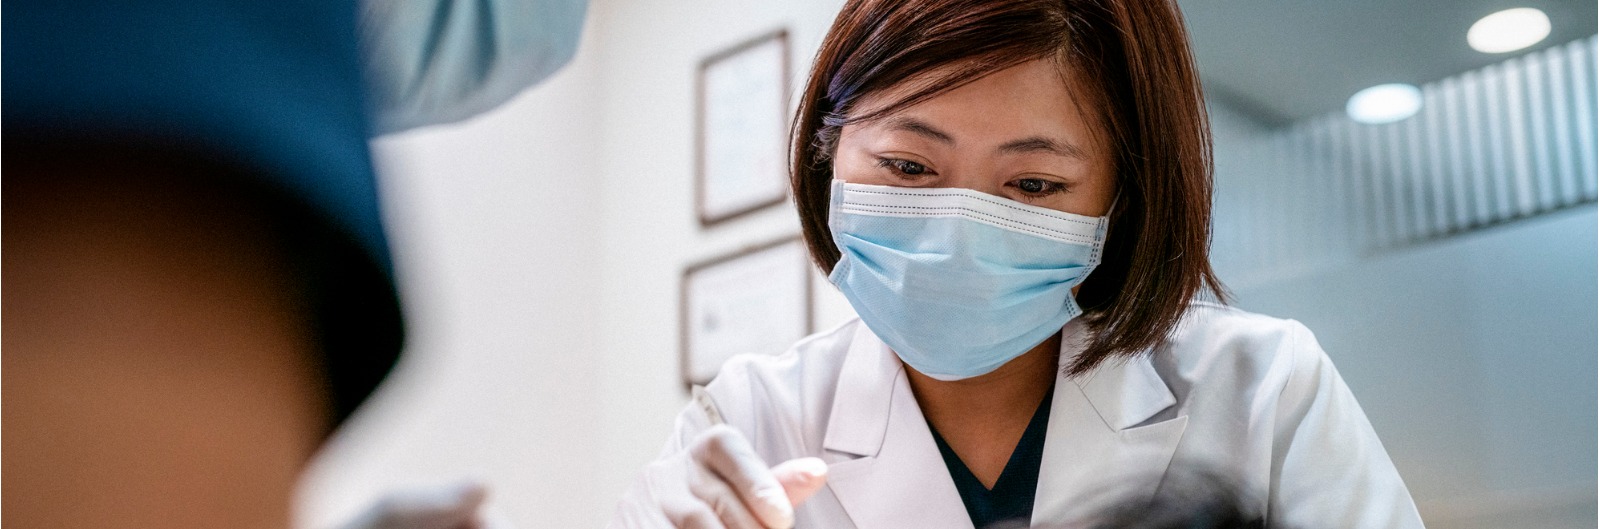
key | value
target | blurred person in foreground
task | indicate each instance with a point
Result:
(198, 289)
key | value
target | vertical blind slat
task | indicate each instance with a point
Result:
(1524, 199)
(1569, 178)
(1539, 134)
(1438, 182)
(1581, 61)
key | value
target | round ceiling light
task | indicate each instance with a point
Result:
(1509, 30)
(1385, 103)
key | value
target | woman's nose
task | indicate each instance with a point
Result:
(974, 178)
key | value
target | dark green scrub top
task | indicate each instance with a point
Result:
(1012, 495)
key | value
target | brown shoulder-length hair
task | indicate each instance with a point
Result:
(1132, 55)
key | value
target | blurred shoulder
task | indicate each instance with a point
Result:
(1212, 320)
(1220, 340)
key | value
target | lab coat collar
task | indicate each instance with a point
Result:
(867, 383)
(897, 478)
(1123, 392)
(1099, 448)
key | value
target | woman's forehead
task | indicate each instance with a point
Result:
(1036, 97)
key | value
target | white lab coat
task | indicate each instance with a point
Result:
(1252, 397)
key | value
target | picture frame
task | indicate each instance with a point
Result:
(755, 300)
(741, 129)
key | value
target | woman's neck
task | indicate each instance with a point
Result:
(982, 418)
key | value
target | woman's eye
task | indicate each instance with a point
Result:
(905, 167)
(1038, 187)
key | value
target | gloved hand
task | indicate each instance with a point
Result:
(719, 482)
(450, 507)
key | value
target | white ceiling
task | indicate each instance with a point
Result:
(1283, 60)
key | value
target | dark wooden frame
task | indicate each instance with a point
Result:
(782, 37)
(683, 297)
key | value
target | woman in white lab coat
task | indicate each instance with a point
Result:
(960, 167)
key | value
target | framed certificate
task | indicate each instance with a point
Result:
(741, 129)
(757, 300)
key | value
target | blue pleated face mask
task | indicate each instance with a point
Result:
(955, 281)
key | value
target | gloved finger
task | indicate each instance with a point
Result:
(716, 493)
(721, 449)
(801, 478)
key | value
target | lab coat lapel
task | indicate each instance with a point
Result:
(1097, 449)
(884, 467)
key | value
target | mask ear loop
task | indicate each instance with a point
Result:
(1115, 199)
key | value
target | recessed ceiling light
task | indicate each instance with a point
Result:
(1509, 30)
(1385, 103)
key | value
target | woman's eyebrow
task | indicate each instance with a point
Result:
(920, 128)
(1043, 144)
(1021, 146)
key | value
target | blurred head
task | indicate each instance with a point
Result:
(1060, 104)
(1189, 497)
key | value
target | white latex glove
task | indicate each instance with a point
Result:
(719, 482)
(457, 506)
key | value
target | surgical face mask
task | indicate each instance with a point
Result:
(955, 281)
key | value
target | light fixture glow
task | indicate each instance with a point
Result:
(1509, 30)
(1385, 103)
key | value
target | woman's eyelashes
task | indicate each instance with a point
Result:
(1029, 187)
(905, 169)
(1037, 187)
